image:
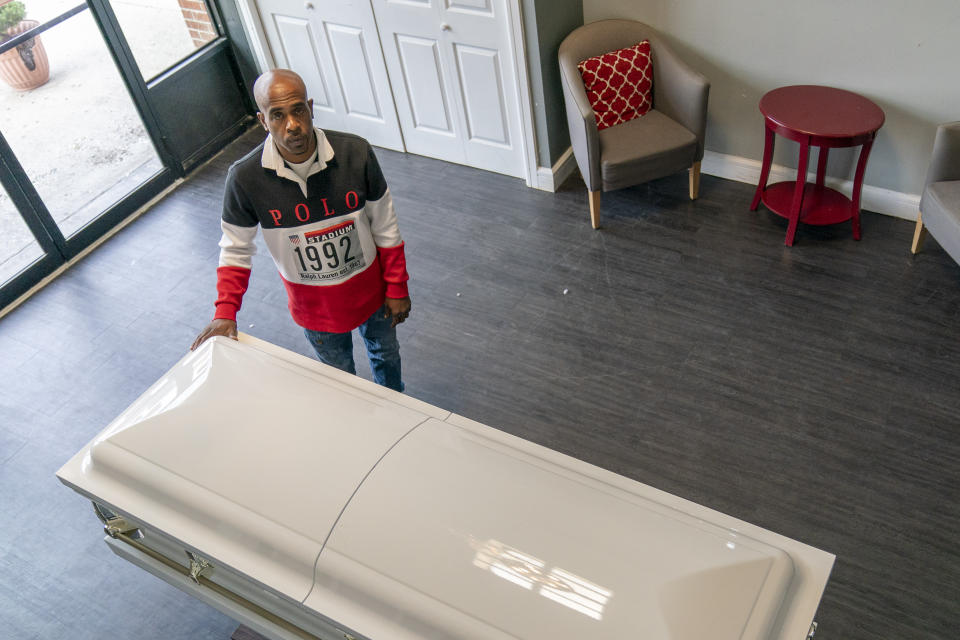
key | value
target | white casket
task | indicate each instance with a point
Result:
(306, 502)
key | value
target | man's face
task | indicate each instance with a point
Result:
(288, 116)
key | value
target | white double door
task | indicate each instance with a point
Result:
(432, 77)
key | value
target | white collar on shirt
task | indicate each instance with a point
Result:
(271, 159)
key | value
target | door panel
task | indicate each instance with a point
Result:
(423, 85)
(473, 75)
(199, 106)
(425, 104)
(480, 29)
(482, 86)
(483, 7)
(298, 47)
(333, 45)
(354, 71)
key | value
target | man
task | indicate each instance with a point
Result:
(327, 218)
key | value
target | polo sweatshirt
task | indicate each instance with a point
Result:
(333, 237)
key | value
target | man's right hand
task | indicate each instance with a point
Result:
(218, 327)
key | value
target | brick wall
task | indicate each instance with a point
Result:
(198, 21)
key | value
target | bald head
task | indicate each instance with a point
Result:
(286, 113)
(277, 80)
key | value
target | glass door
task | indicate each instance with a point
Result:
(185, 71)
(103, 104)
(77, 135)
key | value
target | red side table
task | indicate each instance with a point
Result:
(820, 117)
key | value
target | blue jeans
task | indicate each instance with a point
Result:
(383, 349)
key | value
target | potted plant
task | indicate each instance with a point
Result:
(25, 66)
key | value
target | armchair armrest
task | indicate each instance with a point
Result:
(945, 163)
(584, 136)
(679, 92)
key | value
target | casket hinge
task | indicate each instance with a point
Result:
(197, 566)
(813, 630)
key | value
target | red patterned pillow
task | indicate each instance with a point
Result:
(619, 84)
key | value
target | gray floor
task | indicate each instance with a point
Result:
(814, 391)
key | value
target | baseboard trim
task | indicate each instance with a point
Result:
(550, 178)
(886, 201)
(722, 165)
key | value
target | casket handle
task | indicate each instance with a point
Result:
(115, 525)
(121, 529)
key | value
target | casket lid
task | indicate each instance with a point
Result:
(399, 520)
(465, 532)
(247, 456)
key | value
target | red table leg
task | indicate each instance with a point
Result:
(858, 186)
(822, 165)
(765, 169)
(797, 204)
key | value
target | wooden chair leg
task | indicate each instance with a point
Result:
(695, 180)
(594, 197)
(919, 233)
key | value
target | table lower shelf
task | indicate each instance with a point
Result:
(821, 205)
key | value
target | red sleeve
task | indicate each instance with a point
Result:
(393, 265)
(231, 284)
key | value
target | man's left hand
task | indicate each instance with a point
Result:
(396, 308)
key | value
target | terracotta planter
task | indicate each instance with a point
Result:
(25, 67)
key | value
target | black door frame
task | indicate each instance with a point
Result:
(230, 51)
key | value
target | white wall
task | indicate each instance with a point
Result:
(905, 56)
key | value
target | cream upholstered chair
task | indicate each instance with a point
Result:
(940, 202)
(668, 139)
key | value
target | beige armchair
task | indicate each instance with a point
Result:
(940, 202)
(668, 139)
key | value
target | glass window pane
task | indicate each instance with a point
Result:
(161, 33)
(18, 247)
(78, 136)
